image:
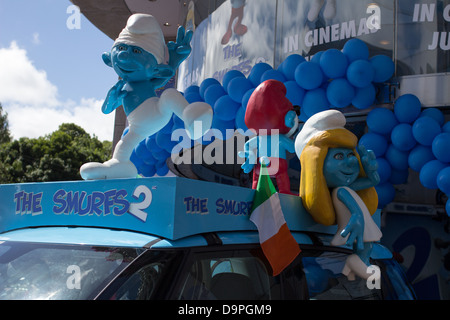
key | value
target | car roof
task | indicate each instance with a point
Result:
(158, 212)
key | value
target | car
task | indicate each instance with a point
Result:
(168, 238)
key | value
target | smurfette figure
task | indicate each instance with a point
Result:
(271, 116)
(138, 58)
(337, 185)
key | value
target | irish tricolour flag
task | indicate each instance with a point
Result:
(277, 242)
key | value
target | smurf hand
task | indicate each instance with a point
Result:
(250, 160)
(113, 99)
(369, 163)
(355, 226)
(355, 230)
(180, 50)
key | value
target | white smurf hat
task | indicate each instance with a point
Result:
(315, 125)
(143, 31)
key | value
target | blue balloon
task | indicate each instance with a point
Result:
(193, 97)
(288, 66)
(151, 145)
(384, 68)
(443, 180)
(360, 73)
(381, 120)
(257, 71)
(386, 194)
(333, 63)
(429, 172)
(441, 147)
(447, 207)
(340, 93)
(161, 155)
(230, 75)
(246, 97)
(355, 49)
(418, 156)
(147, 170)
(205, 84)
(308, 75)
(407, 108)
(316, 57)
(434, 113)
(214, 92)
(397, 158)
(364, 97)
(446, 127)
(240, 120)
(375, 142)
(273, 74)
(315, 101)
(384, 170)
(164, 141)
(192, 89)
(141, 150)
(177, 122)
(399, 176)
(425, 129)
(225, 108)
(237, 87)
(402, 137)
(294, 93)
(224, 129)
(135, 159)
(161, 168)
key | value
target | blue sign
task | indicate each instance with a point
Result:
(169, 207)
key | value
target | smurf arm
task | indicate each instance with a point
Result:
(355, 226)
(249, 155)
(179, 50)
(114, 97)
(370, 166)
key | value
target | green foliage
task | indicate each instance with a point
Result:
(5, 136)
(55, 157)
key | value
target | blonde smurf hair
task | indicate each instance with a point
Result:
(315, 194)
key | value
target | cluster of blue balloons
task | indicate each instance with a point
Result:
(408, 137)
(404, 138)
(150, 156)
(331, 79)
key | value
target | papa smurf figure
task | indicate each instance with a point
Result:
(271, 115)
(337, 185)
(138, 58)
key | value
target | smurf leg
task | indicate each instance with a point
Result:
(358, 263)
(144, 121)
(197, 116)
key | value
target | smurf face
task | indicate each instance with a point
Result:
(132, 63)
(341, 167)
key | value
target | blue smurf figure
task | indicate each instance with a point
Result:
(138, 58)
(337, 185)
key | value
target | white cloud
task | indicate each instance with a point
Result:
(32, 102)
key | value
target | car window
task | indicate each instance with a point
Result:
(326, 282)
(227, 275)
(47, 271)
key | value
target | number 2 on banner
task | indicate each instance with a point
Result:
(136, 209)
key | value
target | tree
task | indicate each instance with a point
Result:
(5, 136)
(55, 157)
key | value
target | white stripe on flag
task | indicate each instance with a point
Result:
(268, 218)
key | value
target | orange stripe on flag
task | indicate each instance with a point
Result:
(281, 249)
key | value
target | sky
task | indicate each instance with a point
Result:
(51, 70)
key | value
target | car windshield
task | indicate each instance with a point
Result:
(48, 271)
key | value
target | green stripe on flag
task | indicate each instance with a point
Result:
(265, 188)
